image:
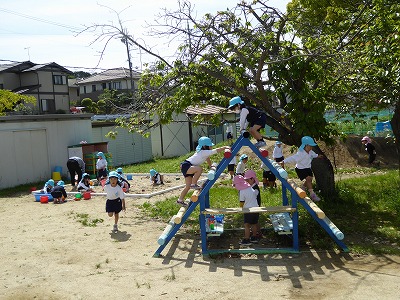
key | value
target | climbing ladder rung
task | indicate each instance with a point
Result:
(239, 210)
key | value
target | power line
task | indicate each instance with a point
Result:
(40, 19)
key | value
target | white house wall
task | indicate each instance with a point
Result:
(31, 146)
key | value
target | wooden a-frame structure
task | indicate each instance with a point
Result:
(287, 206)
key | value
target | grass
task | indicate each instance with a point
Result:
(367, 211)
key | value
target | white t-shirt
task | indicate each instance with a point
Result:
(302, 159)
(240, 168)
(229, 129)
(277, 152)
(199, 157)
(101, 164)
(249, 197)
(243, 121)
(233, 161)
(115, 192)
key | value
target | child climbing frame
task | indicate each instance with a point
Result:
(297, 196)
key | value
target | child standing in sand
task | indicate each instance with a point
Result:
(101, 166)
(191, 167)
(115, 198)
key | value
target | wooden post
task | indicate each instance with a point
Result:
(315, 208)
(302, 194)
(178, 217)
(195, 195)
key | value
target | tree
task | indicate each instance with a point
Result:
(9, 100)
(293, 66)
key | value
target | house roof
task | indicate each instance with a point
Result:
(207, 110)
(27, 66)
(47, 66)
(109, 75)
(15, 67)
(26, 89)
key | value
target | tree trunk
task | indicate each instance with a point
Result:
(395, 123)
(324, 176)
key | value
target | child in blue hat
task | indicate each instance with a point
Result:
(48, 186)
(191, 167)
(303, 159)
(156, 178)
(255, 118)
(241, 166)
(58, 192)
(101, 166)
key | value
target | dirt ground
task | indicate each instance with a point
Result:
(47, 253)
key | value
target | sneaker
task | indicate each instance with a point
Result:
(195, 187)
(245, 242)
(180, 202)
(260, 144)
(253, 240)
(115, 228)
(314, 197)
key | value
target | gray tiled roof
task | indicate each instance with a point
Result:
(109, 75)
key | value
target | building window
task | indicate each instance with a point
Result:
(93, 87)
(59, 80)
(1, 86)
(84, 89)
(116, 85)
(104, 85)
(48, 105)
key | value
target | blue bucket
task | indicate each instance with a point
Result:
(129, 177)
(58, 169)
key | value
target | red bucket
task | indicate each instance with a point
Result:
(87, 195)
(44, 199)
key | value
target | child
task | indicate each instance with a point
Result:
(124, 182)
(156, 178)
(303, 159)
(247, 198)
(84, 184)
(191, 167)
(241, 166)
(231, 166)
(249, 115)
(58, 192)
(269, 179)
(369, 148)
(229, 131)
(101, 166)
(115, 198)
(48, 186)
(277, 154)
(251, 177)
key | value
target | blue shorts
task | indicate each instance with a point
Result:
(261, 121)
(269, 175)
(114, 206)
(304, 173)
(279, 159)
(185, 167)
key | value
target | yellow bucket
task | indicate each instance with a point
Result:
(56, 176)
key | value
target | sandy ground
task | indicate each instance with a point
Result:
(48, 254)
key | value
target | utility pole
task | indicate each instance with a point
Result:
(29, 56)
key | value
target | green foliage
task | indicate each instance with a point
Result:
(85, 220)
(8, 100)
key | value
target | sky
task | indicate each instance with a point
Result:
(45, 31)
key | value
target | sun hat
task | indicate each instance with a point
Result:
(119, 170)
(50, 182)
(153, 172)
(240, 183)
(101, 154)
(366, 138)
(307, 140)
(251, 174)
(234, 101)
(243, 156)
(278, 143)
(60, 183)
(204, 141)
(85, 175)
(113, 174)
